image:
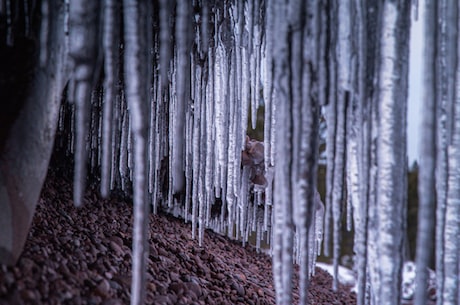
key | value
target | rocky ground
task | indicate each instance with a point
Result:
(83, 256)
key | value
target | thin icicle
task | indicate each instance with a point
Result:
(183, 42)
(337, 195)
(195, 165)
(44, 31)
(136, 80)
(165, 40)
(123, 166)
(221, 113)
(451, 255)
(202, 215)
(115, 141)
(331, 114)
(243, 198)
(452, 230)
(267, 87)
(210, 150)
(110, 43)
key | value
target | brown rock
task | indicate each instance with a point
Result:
(194, 288)
(103, 289)
(116, 248)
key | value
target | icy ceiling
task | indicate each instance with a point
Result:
(162, 94)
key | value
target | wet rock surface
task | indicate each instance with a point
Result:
(83, 256)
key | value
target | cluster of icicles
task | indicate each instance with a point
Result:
(182, 79)
(181, 83)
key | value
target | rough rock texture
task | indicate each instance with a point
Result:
(83, 256)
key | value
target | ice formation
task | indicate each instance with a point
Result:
(163, 93)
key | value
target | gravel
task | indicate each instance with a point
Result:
(83, 256)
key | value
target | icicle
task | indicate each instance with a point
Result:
(445, 93)
(94, 130)
(195, 164)
(233, 167)
(72, 129)
(344, 45)
(245, 94)
(450, 293)
(322, 66)
(258, 236)
(360, 204)
(267, 88)
(319, 216)
(254, 207)
(210, 151)
(137, 84)
(337, 133)
(273, 133)
(331, 113)
(152, 148)
(283, 223)
(202, 195)
(110, 43)
(450, 281)
(183, 94)
(159, 138)
(371, 219)
(123, 167)
(221, 113)
(165, 40)
(391, 155)
(337, 196)
(243, 198)
(116, 137)
(268, 199)
(188, 165)
(352, 164)
(427, 161)
(44, 29)
(130, 145)
(83, 51)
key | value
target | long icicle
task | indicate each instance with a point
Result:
(110, 43)
(360, 213)
(391, 156)
(426, 182)
(451, 255)
(183, 42)
(136, 80)
(84, 17)
(445, 86)
(283, 223)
